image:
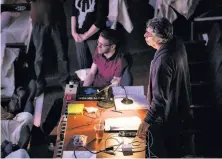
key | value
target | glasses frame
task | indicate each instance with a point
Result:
(100, 44)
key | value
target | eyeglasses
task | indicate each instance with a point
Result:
(103, 45)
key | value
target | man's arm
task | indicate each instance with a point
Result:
(102, 13)
(92, 30)
(162, 74)
(75, 35)
(91, 76)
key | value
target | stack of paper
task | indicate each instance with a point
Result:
(122, 123)
(135, 93)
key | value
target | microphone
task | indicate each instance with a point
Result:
(126, 100)
(104, 89)
(113, 83)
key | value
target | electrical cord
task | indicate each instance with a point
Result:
(104, 150)
(118, 145)
(151, 154)
(74, 152)
(148, 144)
(87, 123)
(134, 142)
(136, 146)
(107, 149)
(111, 149)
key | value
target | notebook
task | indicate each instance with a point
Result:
(75, 108)
(122, 123)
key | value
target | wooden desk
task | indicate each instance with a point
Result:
(75, 127)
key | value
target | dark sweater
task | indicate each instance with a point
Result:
(96, 16)
(170, 93)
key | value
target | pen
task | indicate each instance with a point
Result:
(116, 111)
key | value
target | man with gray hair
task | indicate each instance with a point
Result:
(169, 94)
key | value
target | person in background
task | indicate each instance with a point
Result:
(169, 93)
(88, 18)
(49, 35)
(108, 63)
(16, 127)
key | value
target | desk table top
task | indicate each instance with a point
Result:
(83, 125)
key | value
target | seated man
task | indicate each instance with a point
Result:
(108, 64)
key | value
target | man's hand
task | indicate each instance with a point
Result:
(84, 36)
(142, 131)
(77, 37)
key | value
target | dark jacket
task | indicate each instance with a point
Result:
(170, 93)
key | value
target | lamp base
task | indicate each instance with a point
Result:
(127, 101)
(106, 103)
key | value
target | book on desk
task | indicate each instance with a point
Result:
(89, 94)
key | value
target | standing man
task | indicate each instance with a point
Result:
(49, 35)
(108, 64)
(169, 94)
(88, 18)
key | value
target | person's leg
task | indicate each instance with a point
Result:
(39, 36)
(92, 44)
(172, 143)
(24, 137)
(53, 116)
(29, 106)
(61, 51)
(81, 53)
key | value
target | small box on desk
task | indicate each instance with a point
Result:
(70, 93)
(89, 94)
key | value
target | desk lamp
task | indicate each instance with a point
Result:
(126, 100)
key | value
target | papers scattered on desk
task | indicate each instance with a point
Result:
(79, 154)
(122, 123)
(130, 90)
(135, 93)
(139, 102)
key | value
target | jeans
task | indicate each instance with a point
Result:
(48, 39)
(82, 52)
(29, 106)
